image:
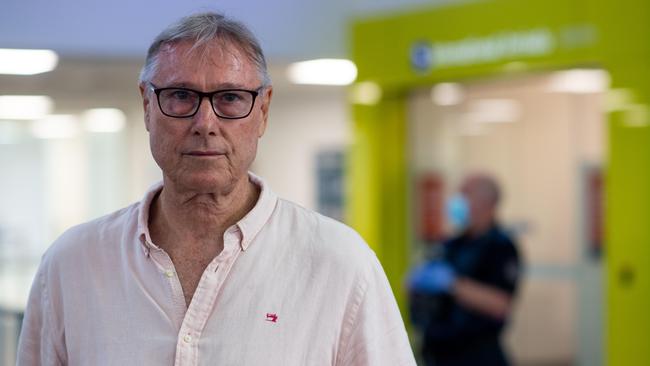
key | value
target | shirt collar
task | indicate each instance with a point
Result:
(250, 225)
(143, 217)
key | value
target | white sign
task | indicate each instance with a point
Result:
(477, 50)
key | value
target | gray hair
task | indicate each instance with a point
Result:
(201, 29)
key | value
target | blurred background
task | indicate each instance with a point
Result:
(401, 99)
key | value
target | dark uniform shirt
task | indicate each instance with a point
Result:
(453, 334)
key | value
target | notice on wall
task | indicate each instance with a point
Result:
(329, 183)
(430, 202)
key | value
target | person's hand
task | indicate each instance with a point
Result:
(434, 277)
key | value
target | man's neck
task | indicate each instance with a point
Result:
(198, 220)
(481, 228)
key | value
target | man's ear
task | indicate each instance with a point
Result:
(266, 103)
(144, 92)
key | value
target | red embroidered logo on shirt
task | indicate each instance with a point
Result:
(272, 317)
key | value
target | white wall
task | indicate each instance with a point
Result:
(24, 222)
(301, 124)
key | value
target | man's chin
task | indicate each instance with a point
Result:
(208, 183)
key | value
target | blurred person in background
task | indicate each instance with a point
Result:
(461, 300)
(211, 267)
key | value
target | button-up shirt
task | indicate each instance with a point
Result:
(291, 287)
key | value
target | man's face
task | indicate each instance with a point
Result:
(480, 207)
(204, 153)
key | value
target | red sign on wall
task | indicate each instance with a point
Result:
(430, 201)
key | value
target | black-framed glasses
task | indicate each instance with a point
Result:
(226, 103)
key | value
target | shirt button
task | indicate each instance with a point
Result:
(187, 339)
(169, 274)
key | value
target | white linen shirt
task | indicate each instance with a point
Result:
(291, 287)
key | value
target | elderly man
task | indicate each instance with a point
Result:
(210, 268)
(462, 300)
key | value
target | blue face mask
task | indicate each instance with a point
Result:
(458, 212)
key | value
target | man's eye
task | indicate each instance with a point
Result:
(230, 97)
(181, 95)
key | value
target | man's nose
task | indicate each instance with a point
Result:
(205, 122)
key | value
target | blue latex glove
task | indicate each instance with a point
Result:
(435, 277)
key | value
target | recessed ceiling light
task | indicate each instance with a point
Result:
(325, 71)
(27, 62)
(494, 111)
(56, 126)
(447, 94)
(367, 93)
(24, 106)
(104, 120)
(579, 81)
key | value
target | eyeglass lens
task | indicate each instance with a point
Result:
(227, 103)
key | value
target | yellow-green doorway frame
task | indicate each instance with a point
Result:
(477, 39)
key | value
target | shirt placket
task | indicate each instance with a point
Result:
(204, 299)
(167, 270)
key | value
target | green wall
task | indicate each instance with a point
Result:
(378, 177)
(483, 39)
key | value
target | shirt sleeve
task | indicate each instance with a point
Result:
(41, 339)
(503, 267)
(374, 332)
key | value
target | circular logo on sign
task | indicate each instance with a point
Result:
(422, 56)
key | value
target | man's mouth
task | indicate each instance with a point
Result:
(206, 153)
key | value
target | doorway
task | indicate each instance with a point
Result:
(543, 137)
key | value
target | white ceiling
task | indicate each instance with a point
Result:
(288, 29)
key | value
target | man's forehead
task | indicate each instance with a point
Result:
(470, 186)
(215, 53)
(219, 58)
